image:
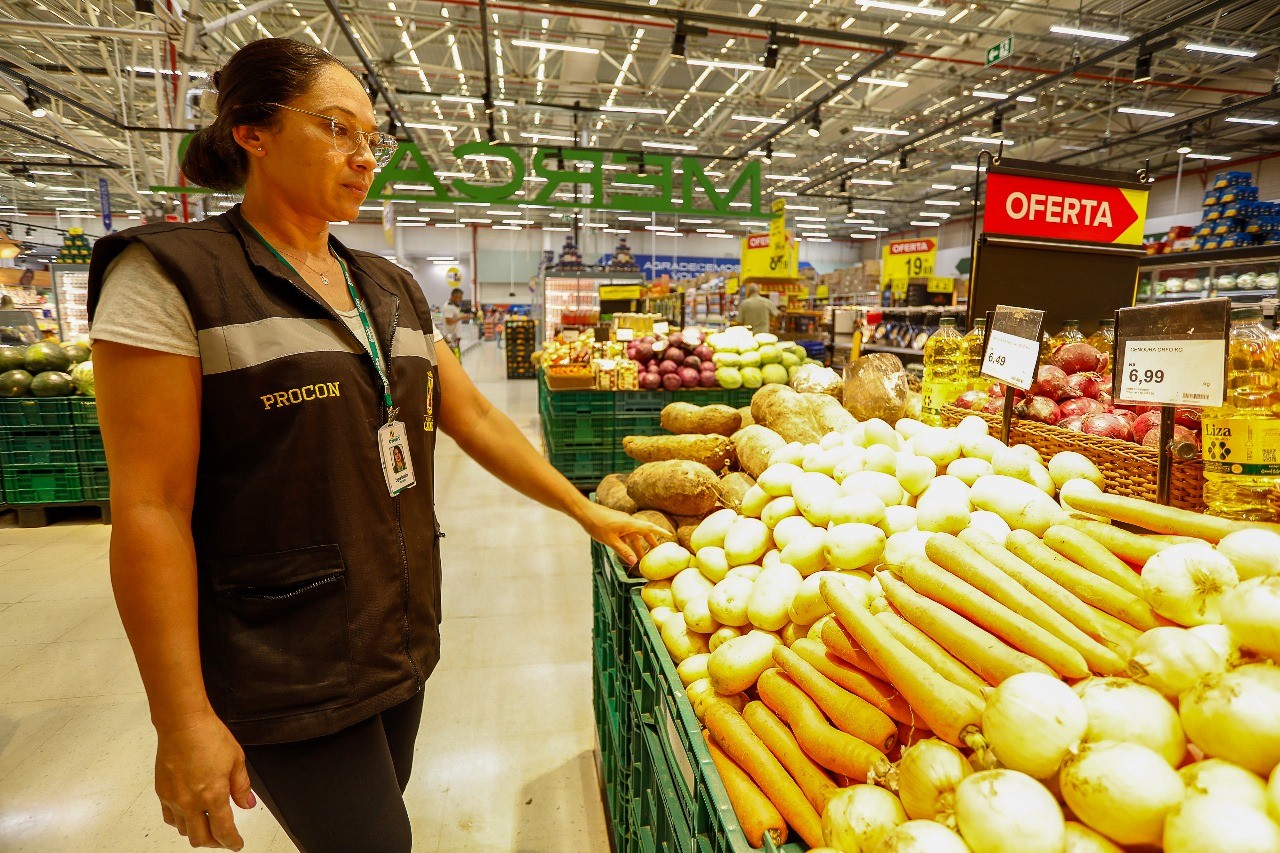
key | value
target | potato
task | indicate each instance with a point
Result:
(792, 454)
(1020, 504)
(853, 546)
(692, 669)
(728, 600)
(788, 528)
(909, 428)
(830, 415)
(688, 585)
(777, 479)
(977, 446)
(714, 451)
(786, 413)
(682, 643)
(712, 562)
(852, 463)
(659, 519)
(969, 470)
(698, 618)
(779, 509)
(736, 665)
(657, 594)
(944, 507)
(901, 547)
(664, 562)
(819, 461)
(688, 419)
(815, 494)
(747, 541)
(702, 696)
(857, 509)
(883, 486)
(941, 445)
(754, 502)
(809, 606)
(897, 519)
(713, 529)
(807, 551)
(677, 486)
(733, 488)
(745, 414)
(881, 458)
(722, 635)
(879, 432)
(755, 445)
(771, 596)
(914, 473)
(1069, 465)
(612, 492)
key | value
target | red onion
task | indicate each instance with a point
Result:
(972, 400)
(667, 367)
(997, 389)
(671, 381)
(1107, 426)
(1181, 435)
(675, 339)
(1104, 382)
(1143, 408)
(1039, 409)
(1051, 382)
(703, 352)
(692, 361)
(1104, 363)
(1187, 417)
(1083, 385)
(644, 351)
(707, 378)
(994, 406)
(1078, 357)
(673, 354)
(1081, 406)
(1074, 424)
(650, 381)
(1145, 423)
(1107, 401)
(689, 376)
(1128, 416)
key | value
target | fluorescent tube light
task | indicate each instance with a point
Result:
(672, 146)
(1092, 34)
(988, 140)
(921, 224)
(710, 230)
(884, 81)
(1207, 157)
(1001, 96)
(1265, 122)
(888, 131)
(1226, 51)
(945, 187)
(645, 111)
(871, 182)
(855, 159)
(556, 137)
(696, 221)
(1142, 111)
(859, 222)
(721, 63)
(934, 214)
(942, 202)
(448, 128)
(449, 225)
(876, 228)
(759, 119)
(867, 210)
(811, 219)
(803, 207)
(861, 236)
(901, 7)
(633, 219)
(966, 167)
(552, 45)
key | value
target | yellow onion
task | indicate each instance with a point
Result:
(1219, 639)
(1252, 551)
(1032, 721)
(927, 777)
(1236, 716)
(1172, 660)
(1082, 839)
(1185, 583)
(922, 836)
(1122, 790)
(1004, 811)
(1251, 612)
(859, 817)
(1214, 777)
(1124, 710)
(1199, 824)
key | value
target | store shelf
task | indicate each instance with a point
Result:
(902, 351)
(1243, 254)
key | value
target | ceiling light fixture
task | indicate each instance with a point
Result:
(887, 131)
(646, 111)
(815, 124)
(1207, 157)
(1265, 122)
(944, 186)
(884, 81)
(876, 228)
(554, 137)
(447, 128)
(941, 202)
(901, 7)
(1001, 96)
(936, 214)
(987, 140)
(922, 224)
(870, 211)
(1225, 51)
(1142, 68)
(671, 146)
(1062, 29)
(759, 119)
(550, 45)
(1184, 146)
(32, 103)
(722, 63)
(871, 182)
(1143, 111)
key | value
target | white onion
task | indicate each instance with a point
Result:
(1004, 811)
(1172, 660)
(1082, 839)
(927, 777)
(1218, 637)
(1032, 721)
(922, 836)
(1122, 790)
(1185, 583)
(1200, 824)
(1253, 552)
(859, 817)
(1251, 612)
(1120, 709)
(1214, 777)
(1236, 716)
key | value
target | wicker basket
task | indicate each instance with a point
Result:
(1129, 468)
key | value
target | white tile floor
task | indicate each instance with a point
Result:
(505, 755)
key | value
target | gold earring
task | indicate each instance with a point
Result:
(259, 147)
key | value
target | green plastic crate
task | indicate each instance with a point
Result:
(583, 468)
(578, 431)
(49, 485)
(641, 402)
(89, 447)
(84, 411)
(95, 483)
(22, 448)
(637, 425)
(35, 412)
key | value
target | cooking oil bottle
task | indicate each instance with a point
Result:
(945, 371)
(974, 341)
(1068, 334)
(1104, 341)
(1242, 438)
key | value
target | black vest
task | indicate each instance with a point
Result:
(319, 593)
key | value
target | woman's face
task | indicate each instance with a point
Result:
(301, 162)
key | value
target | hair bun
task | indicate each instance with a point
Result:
(216, 78)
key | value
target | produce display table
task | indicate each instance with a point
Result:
(661, 787)
(582, 431)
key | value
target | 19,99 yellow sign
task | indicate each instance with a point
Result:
(908, 259)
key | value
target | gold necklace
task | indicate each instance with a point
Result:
(324, 277)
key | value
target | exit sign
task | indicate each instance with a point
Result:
(999, 52)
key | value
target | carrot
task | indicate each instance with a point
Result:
(1090, 588)
(1063, 602)
(1083, 551)
(1157, 518)
(985, 612)
(927, 649)
(850, 713)
(757, 816)
(735, 737)
(1129, 547)
(909, 735)
(977, 648)
(811, 778)
(825, 744)
(1122, 635)
(952, 712)
(840, 644)
(879, 693)
(963, 561)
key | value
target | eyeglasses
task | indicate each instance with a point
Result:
(348, 141)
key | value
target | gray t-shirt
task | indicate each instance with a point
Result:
(755, 311)
(141, 306)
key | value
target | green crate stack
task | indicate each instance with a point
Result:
(518, 340)
(39, 462)
(93, 459)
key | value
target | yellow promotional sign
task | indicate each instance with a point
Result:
(823, 291)
(898, 285)
(778, 225)
(908, 259)
(941, 284)
(621, 291)
(731, 286)
(759, 260)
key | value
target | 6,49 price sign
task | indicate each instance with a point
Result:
(903, 259)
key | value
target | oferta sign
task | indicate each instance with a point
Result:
(609, 183)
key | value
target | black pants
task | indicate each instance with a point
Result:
(343, 792)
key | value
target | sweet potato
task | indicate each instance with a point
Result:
(660, 519)
(612, 492)
(733, 486)
(830, 415)
(714, 451)
(754, 445)
(688, 419)
(676, 486)
(786, 413)
(745, 413)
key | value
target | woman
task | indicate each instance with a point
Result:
(275, 566)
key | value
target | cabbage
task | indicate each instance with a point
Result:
(82, 378)
(729, 377)
(770, 354)
(751, 359)
(774, 374)
(727, 359)
(751, 377)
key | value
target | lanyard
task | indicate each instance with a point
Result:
(364, 321)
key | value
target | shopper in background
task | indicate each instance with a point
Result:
(452, 314)
(276, 567)
(755, 310)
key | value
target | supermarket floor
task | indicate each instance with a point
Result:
(505, 755)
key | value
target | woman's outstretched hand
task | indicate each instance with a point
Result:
(629, 536)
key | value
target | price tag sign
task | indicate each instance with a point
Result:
(626, 335)
(1012, 354)
(1173, 354)
(661, 327)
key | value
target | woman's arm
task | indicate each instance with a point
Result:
(149, 409)
(489, 437)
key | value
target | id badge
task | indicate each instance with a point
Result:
(397, 464)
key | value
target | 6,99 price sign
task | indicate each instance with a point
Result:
(1174, 373)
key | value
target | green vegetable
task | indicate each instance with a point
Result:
(729, 377)
(752, 359)
(770, 354)
(12, 358)
(15, 383)
(78, 353)
(52, 383)
(774, 374)
(752, 377)
(46, 356)
(82, 378)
